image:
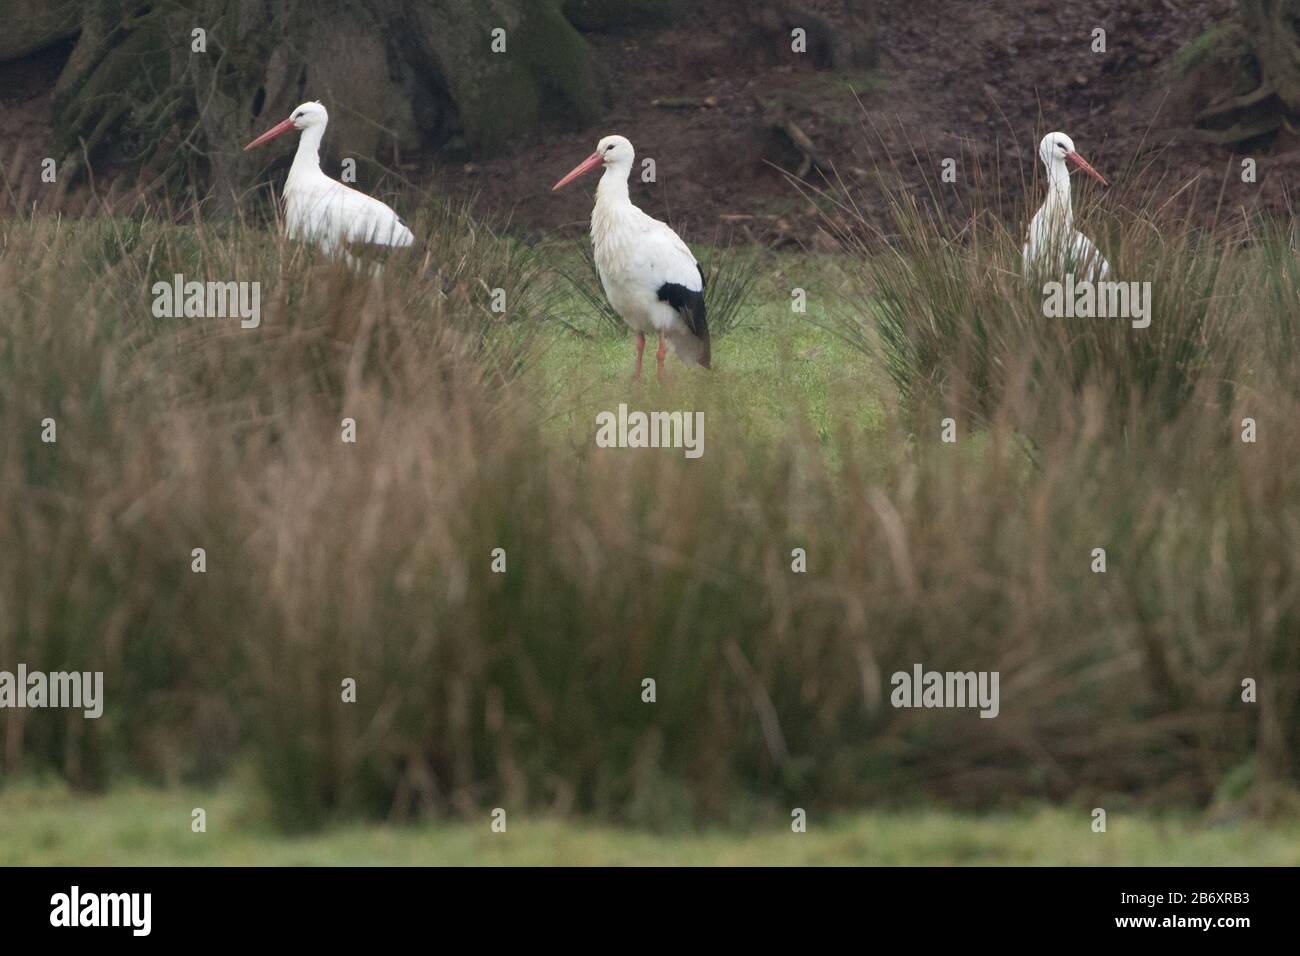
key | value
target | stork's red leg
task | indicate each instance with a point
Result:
(640, 350)
(659, 356)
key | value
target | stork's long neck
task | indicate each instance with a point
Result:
(612, 207)
(611, 192)
(1058, 195)
(307, 159)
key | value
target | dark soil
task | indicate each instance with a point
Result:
(979, 82)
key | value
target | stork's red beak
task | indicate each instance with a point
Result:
(1086, 167)
(586, 166)
(278, 129)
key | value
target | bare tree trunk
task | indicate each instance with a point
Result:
(180, 85)
(30, 25)
(829, 47)
(1273, 32)
(1256, 59)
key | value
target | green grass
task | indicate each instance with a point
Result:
(781, 368)
(776, 374)
(1213, 42)
(47, 825)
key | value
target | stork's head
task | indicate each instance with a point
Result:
(306, 116)
(1057, 148)
(615, 151)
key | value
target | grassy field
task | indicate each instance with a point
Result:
(779, 369)
(134, 826)
(328, 561)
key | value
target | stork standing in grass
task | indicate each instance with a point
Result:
(323, 211)
(1055, 247)
(648, 273)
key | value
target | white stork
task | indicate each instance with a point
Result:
(648, 273)
(1055, 247)
(321, 210)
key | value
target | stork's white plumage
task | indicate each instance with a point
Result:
(1054, 246)
(321, 210)
(648, 273)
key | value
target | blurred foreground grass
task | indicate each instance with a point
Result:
(1172, 681)
(48, 825)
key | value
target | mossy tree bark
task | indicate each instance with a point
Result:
(27, 26)
(621, 16)
(395, 74)
(1258, 55)
(849, 45)
(1273, 32)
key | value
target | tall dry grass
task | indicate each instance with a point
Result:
(328, 561)
(1145, 425)
(945, 307)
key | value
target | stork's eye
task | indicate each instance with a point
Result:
(609, 147)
